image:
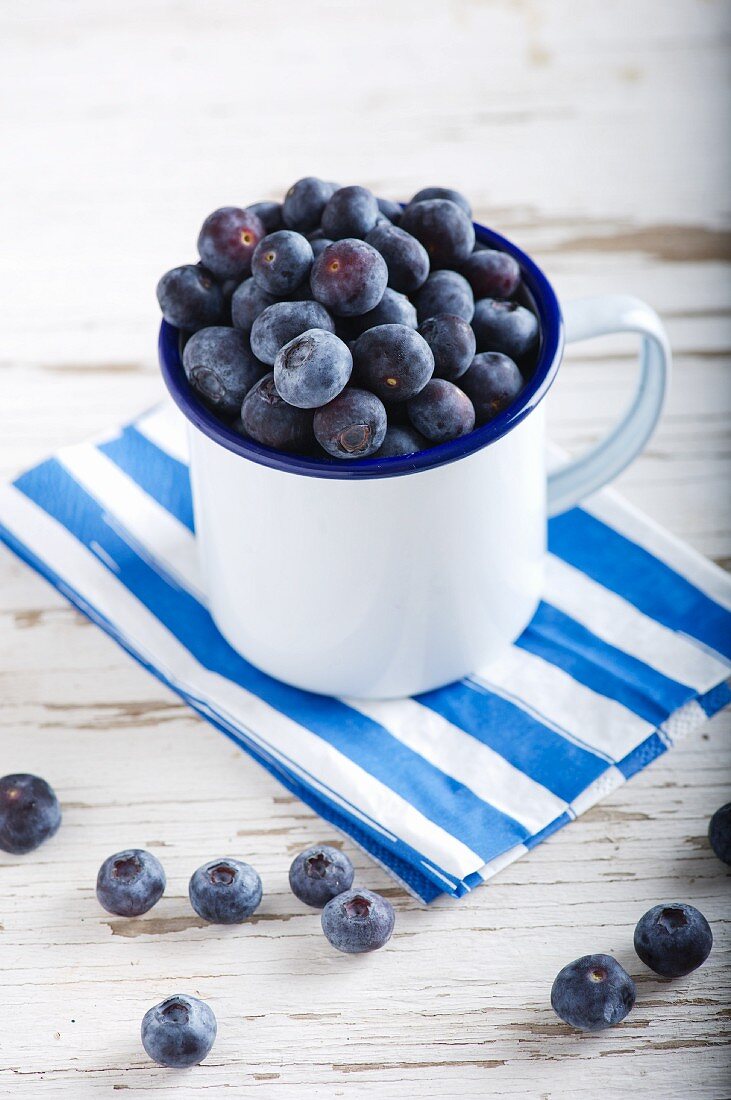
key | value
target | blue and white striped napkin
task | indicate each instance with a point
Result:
(629, 651)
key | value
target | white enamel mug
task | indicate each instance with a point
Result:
(378, 578)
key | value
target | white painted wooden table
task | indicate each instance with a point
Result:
(593, 134)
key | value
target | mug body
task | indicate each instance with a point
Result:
(378, 577)
(376, 587)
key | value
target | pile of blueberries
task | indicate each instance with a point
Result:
(592, 993)
(337, 322)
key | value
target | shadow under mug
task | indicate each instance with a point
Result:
(380, 578)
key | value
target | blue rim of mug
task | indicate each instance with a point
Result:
(546, 306)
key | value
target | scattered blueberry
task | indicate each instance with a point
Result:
(452, 342)
(248, 301)
(349, 212)
(593, 993)
(351, 426)
(304, 203)
(443, 228)
(220, 366)
(393, 309)
(719, 833)
(492, 274)
(349, 277)
(393, 361)
(227, 241)
(445, 292)
(279, 323)
(358, 921)
(225, 891)
(269, 214)
(401, 439)
(443, 193)
(268, 419)
(406, 259)
(130, 882)
(190, 298)
(441, 411)
(319, 874)
(504, 326)
(281, 262)
(179, 1032)
(492, 382)
(312, 369)
(29, 812)
(390, 210)
(673, 940)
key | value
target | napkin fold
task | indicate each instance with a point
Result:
(628, 652)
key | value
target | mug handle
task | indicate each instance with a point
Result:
(585, 318)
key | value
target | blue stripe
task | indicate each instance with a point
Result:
(161, 476)
(609, 671)
(715, 699)
(405, 861)
(550, 759)
(633, 573)
(643, 755)
(549, 830)
(437, 796)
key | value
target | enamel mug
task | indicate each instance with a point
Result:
(377, 578)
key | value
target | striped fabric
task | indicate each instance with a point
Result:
(629, 651)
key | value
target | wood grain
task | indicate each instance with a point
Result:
(592, 135)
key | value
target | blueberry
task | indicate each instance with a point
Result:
(29, 812)
(130, 882)
(248, 301)
(443, 193)
(390, 210)
(393, 361)
(406, 259)
(357, 921)
(593, 993)
(492, 274)
(349, 277)
(444, 292)
(304, 203)
(443, 228)
(190, 298)
(673, 940)
(349, 212)
(179, 1032)
(452, 342)
(228, 288)
(270, 420)
(319, 874)
(221, 368)
(401, 440)
(227, 241)
(351, 426)
(281, 322)
(281, 262)
(441, 411)
(269, 214)
(492, 383)
(225, 891)
(319, 245)
(719, 833)
(505, 327)
(312, 369)
(393, 309)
